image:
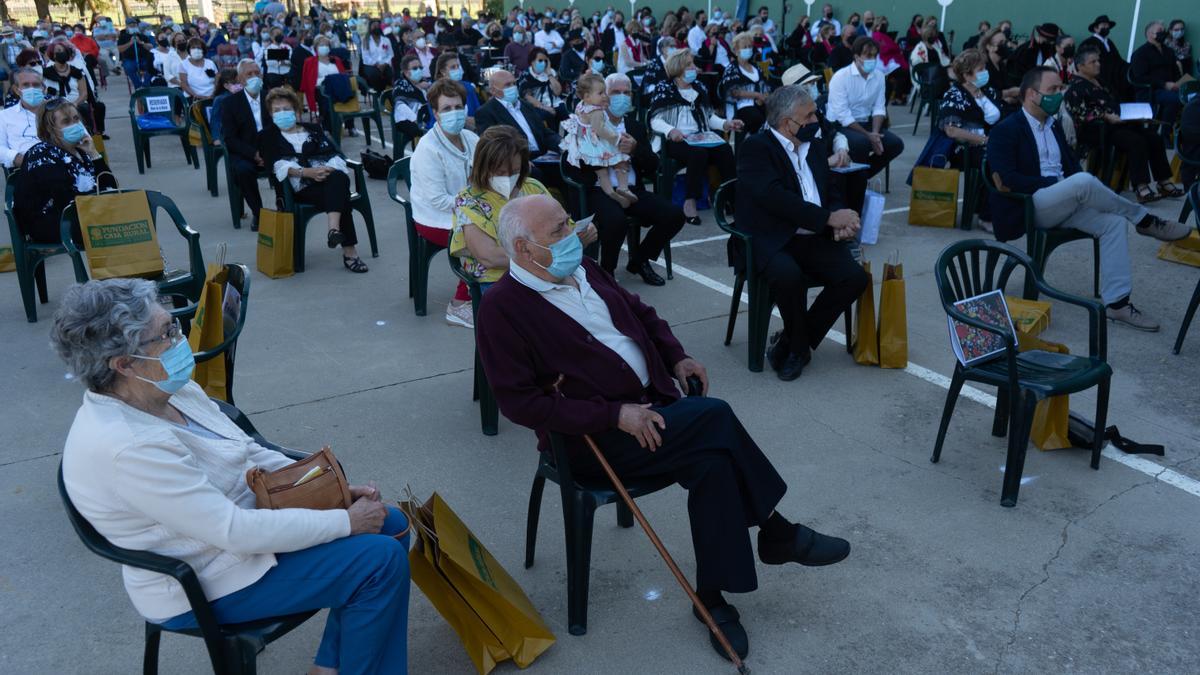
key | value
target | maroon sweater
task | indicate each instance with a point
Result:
(525, 343)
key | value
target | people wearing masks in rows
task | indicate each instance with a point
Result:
(66, 81)
(19, 122)
(858, 105)
(1154, 67)
(1112, 66)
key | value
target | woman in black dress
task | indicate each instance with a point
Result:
(967, 112)
(62, 166)
(304, 155)
(743, 86)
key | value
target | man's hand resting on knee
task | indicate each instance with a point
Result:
(638, 421)
(366, 516)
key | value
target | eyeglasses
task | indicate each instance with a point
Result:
(173, 334)
(55, 103)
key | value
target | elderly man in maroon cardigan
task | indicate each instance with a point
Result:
(554, 315)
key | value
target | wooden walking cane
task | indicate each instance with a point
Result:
(662, 550)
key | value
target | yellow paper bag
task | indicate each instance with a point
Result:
(1030, 317)
(1177, 168)
(893, 318)
(866, 339)
(934, 197)
(1051, 417)
(208, 330)
(1186, 251)
(8, 261)
(353, 105)
(275, 233)
(492, 616)
(119, 235)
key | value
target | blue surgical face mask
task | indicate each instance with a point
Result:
(981, 78)
(565, 256)
(745, 53)
(254, 85)
(33, 97)
(511, 94)
(598, 67)
(284, 119)
(74, 133)
(417, 74)
(322, 50)
(455, 74)
(539, 67)
(689, 75)
(177, 361)
(868, 65)
(620, 104)
(453, 121)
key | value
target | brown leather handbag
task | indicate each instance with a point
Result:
(315, 482)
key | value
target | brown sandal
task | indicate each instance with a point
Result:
(1169, 190)
(1145, 195)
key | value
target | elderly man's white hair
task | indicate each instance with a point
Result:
(617, 78)
(245, 63)
(516, 217)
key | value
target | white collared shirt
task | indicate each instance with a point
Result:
(377, 52)
(854, 98)
(695, 39)
(631, 180)
(18, 133)
(1047, 145)
(589, 310)
(799, 159)
(255, 109)
(1104, 41)
(551, 41)
(515, 110)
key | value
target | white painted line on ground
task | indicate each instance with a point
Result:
(694, 242)
(1154, 470)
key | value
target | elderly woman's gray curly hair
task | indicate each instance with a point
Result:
(100, 320)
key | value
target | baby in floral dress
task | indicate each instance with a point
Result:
(591, 140)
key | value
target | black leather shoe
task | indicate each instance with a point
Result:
(809, 548)
(793, 365)
(777, 350)
(728, 620)
(647, 273)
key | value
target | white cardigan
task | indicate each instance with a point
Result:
(149, 485)
(439, 172)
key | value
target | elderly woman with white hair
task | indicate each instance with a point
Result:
(680, 111)
(154, 465)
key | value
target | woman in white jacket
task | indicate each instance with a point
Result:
(154, 466)
(440, 167)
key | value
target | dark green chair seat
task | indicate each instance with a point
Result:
(972, 267)
(420, 250)
(359, 201)
(370, 109)
(761, 297)
(489, 413)
(238, 277)
(180, 114)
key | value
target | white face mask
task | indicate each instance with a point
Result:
(196, 54)
(504, 185)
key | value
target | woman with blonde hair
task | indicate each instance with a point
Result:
(743, 86)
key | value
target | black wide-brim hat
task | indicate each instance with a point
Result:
(1103, 18)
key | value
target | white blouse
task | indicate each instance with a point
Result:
(199, 81)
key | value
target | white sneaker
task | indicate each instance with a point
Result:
(460, 314)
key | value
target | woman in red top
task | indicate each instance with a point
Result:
(898, 82)
(316, 68)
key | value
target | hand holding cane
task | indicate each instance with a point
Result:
(662, 550)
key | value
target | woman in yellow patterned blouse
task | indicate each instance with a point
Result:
(500, 172)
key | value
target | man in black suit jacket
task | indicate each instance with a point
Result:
(800, 230)
(242, 119)
(507, 107)
(574, 59)
(651, 210)
(300, 54)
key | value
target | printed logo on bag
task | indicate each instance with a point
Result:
(158, 104)
(480, 564)
(932, 196)
(266, 240)
(119, 234)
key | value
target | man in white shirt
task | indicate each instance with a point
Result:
(18, 123)
(548, 38)
(767, 24)
(858, 106)
(826, 18)
(695, 36)
(1066, 196)
(567, 350)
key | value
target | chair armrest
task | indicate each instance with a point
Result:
(1097, 328)
(360, 175)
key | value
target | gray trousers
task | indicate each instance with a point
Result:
(1081, 202)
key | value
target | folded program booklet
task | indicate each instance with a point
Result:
(973, 345)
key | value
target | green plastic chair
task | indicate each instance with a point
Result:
(761, 296)
(238, 278)
(31, 260)
(1039, 242)
(400, 140)
(1194, 200)
(141, 137)
(489, 413)
(927, 76)
(359, 201)
(633, 231)
(971, 184)
(370, 108)
(973, 267)
(420, 250)
(212, 150)
(182, 284)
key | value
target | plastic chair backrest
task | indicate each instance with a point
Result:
(926, 73)
(200, 117)
(723, 207)
(399, 171)
(178, 102)
(972, 267)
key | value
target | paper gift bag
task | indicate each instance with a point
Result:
(1186, 251)
(1051, 417)
(934, 197)
(866, 339)
(1030, 317)
(8, 261)
(275, 233)
(872, 217)
(893, 318)
(1177, 168)
(119, 235)
(208, 329)
(491, 614)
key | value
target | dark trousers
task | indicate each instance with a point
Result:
(377, 77)
(656, 212)
(1145, 154)
(752, 116)
(134, 72)
(697, 160)
(1167, 103)
(860, 149)
(548, 174)
(329, 196)
(245, 174)
(93, 114)
(808, 261)
(731, 484)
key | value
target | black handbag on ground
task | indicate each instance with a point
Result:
(375, 164)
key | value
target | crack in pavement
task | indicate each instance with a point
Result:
(360, 391)
(1012, 638)
(29, 459)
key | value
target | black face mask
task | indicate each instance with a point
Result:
(578, 46)
(1103, 32)
(61, 57)
(807, 132)
(163, 41)
(278, 39)
(1008, 33)
(870, 23)
(1160, 36)
(854, 23)
(1069, 52)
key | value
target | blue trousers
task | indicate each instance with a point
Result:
(364, 582)
(134, 72)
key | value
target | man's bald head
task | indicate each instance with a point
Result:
(499, 80)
